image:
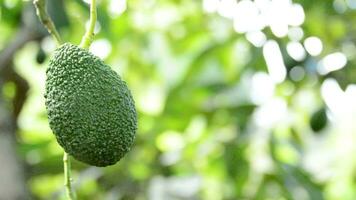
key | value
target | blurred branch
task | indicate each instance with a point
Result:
(46, 20)
(22, 36)
(22, 88)
(7, 71)
(10, 75)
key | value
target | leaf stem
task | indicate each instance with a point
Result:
(46, 20)
(67, 177)
(89, 34)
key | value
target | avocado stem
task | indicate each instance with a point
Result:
(67, 177)
(46, 20)
(89, 34)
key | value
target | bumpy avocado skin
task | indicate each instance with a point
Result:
(90, 109)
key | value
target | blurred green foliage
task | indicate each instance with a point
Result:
(212, 123)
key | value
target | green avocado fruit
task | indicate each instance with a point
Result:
(318, 120)
(90, 109)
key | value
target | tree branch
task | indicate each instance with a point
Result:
(46, 20)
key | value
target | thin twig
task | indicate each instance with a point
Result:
(46, 19)
(89, 34)
(67, 177)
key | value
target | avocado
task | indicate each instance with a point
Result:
(40, 56)
(318, 120)
(90, 109)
